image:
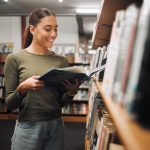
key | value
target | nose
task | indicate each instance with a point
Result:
(53, 34)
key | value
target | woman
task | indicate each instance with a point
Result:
(39, 125)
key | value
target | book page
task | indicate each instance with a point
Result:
(75, 69)
(91, 72)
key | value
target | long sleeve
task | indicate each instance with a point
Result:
(13, 98)
(65, 99)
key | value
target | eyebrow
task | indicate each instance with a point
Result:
(51, 25)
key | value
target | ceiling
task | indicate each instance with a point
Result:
(67, 7)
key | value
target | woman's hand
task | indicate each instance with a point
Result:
(72, 87)
(31, 83)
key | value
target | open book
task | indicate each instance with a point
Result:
(56, 76)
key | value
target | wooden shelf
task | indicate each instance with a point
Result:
(4, 116)
(75, 119)
(133, 136)
(102, 32)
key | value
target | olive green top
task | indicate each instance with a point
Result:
(41, 105)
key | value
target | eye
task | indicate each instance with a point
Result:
(47, 30)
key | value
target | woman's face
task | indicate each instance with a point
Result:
(45, 32)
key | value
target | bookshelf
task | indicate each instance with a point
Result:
(3, 108)
(5, 49)
(132, 134)
(105, 18)
(126, 103)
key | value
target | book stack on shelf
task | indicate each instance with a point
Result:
(125, 79)
(125, 83)
(75, 109)
(5, 49)
(101, 131)
(81, 96)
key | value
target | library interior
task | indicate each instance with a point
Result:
(107, 110)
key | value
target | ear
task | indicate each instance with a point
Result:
(32, 29)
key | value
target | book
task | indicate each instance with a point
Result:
(130, 22)
(136, 99)
(113, 52)
(56, 76)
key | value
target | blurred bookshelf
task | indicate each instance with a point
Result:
(118, 105)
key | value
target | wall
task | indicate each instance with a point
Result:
(10, 30)
(67, 30)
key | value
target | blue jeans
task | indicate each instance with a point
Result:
(47, 135)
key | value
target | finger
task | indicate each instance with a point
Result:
(77, 83)
(35, 77)
(39, 82)
(66, 85)
(40, 86)
(67, 82)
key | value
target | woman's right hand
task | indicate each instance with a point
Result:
(31, 83)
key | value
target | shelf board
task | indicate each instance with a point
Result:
(131, 133)
(102, 32)
(75, 119)
(4, 116)
(67, 118)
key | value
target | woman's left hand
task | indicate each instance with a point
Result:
(72, 87)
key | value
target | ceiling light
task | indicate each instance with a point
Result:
(5, 0)
(87, 11)
(60, 1)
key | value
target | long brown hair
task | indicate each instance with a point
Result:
(34, 18)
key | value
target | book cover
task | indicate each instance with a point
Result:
(56, 76)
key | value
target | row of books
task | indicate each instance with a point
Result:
(75, 109)
(126, 78)
(99, 60)
(6, 48)
(100, 130)
(82, 95)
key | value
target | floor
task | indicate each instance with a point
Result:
(74, 135)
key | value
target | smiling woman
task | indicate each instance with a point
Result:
(41, 25)
(39, 125)
(44, 34)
